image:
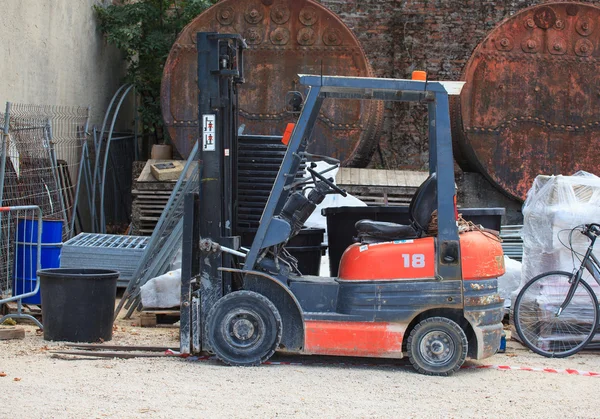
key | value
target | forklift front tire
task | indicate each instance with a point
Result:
(243, 328)
(437, 346)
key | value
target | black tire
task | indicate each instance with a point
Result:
(437, 346)
(538, 327)
(243, 328)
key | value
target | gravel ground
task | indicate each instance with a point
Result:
(39, 385)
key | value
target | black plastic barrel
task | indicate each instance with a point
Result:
(307, 247)
(309, 258)
(78, 304)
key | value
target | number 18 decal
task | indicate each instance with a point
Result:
(416, 260)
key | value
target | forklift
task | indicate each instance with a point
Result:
(401, 291)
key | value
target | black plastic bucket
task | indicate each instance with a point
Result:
(79, 304)
(307, 247)
(309, 258)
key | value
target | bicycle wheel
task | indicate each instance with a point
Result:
(538, 325)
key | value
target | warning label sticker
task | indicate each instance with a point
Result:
(208, 132)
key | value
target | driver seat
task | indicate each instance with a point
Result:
(422, 205)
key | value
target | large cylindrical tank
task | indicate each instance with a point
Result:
(531, 102)
(285, 38)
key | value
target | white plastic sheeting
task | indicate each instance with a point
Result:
(510, 281)
(555, 204)
(316, 220)
(163, 291)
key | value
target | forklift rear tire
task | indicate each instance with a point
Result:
(243, 328)
(437, 346)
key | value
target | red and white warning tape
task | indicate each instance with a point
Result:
(568, 371)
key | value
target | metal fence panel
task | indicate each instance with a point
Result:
(41, 158)
(20, 256)
(165, 241)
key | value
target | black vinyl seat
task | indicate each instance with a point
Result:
(370, 231)
(422, 205)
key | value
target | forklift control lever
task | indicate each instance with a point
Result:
(208, 246)
(298, 207)
(328, 182)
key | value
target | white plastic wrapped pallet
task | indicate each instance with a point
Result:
(554, 206)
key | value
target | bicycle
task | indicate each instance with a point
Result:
(556, 313)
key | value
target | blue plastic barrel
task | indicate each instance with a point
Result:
(24, 277)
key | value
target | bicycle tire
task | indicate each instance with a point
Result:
(541, 330)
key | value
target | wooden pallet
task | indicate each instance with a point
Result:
(8, 333)
(152, 318)
(147, 207)
(380, 187)
(150, 198)
(381, 195)
(31, 309)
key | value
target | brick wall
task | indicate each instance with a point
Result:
(404, 35)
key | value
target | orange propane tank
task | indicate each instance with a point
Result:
(481, 257)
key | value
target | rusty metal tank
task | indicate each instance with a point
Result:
(285, 38)
(531, 102)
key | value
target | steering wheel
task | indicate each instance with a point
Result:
(328, 182)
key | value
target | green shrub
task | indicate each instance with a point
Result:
(145, 30)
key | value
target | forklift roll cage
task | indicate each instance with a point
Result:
(435, 94)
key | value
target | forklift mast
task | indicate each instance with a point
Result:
(220, 71)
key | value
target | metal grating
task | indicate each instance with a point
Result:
(258, 164)
(512, 241)
(108, 251)
(108, 241)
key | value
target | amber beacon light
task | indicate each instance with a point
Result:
(419, 75)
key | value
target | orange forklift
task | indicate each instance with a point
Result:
(401, 291)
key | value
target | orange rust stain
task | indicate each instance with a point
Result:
(403, 259)
(481, 256)
(369, 339)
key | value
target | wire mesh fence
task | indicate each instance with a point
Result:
(41, 160)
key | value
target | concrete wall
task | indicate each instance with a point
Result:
(51, 53)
